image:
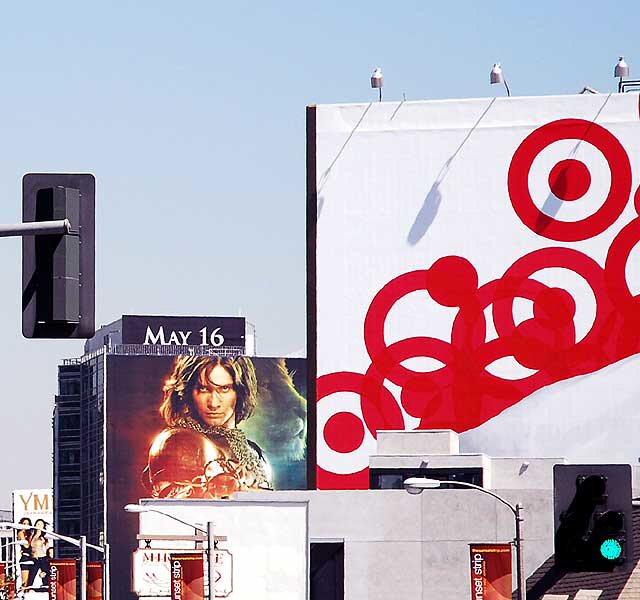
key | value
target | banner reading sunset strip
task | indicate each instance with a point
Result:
(490, 571)
(94, 581)
(187, 576)
(62, 579)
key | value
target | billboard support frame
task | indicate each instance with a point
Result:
(312, 304)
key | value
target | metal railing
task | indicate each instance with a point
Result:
(173, 350)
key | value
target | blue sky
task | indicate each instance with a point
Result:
(192, 119)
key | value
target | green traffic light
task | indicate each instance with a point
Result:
(610, 549)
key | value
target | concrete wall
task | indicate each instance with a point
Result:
(432, 441)
(398, 545)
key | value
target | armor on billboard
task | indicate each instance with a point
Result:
(185, 462)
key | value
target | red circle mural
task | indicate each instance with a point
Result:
(464, 392)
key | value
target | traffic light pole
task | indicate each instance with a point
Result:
(83, 567)
(61, 227)
(211, 546)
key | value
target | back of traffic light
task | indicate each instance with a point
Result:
(58, 280)
(593, 518)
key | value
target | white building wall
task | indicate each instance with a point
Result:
(398, 545)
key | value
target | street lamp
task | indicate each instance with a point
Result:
(208, 532)
(415, 485)
(82, 545)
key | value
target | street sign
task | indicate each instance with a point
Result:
(152, 571)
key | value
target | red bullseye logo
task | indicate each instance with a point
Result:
(569, 180)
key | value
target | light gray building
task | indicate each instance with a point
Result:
(386, 543)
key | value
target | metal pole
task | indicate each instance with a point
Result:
(522, 582)
(211, 545)
(36, 228)
(83, 567)
(105, 574)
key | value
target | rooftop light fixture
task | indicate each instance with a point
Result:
(377, 81)
(497, 76)
(622, 70)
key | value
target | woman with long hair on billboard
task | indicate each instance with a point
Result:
(26, 561)
(202, 453)
(40, 552)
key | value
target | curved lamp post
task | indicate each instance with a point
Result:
(415, 485)
(208, 532)
(82, 545)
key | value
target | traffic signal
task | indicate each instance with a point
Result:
(593, 517)
(58, 270)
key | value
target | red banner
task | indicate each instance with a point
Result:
(187, 576)
(490, 571)
(94, 581)
(7, 584)
(62, 579)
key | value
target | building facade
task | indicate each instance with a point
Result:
(114, 444)
(79, 413)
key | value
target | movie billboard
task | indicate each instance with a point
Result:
(198, 427)
(476, 269)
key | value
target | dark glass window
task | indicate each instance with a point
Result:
(70, 492)
(69, 457)
(69, 387)
(327, 571)
(393, 479)
(69, 421)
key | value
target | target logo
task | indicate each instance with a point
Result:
(568, 181)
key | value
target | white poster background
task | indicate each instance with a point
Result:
(400, 185)
(33, 504)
